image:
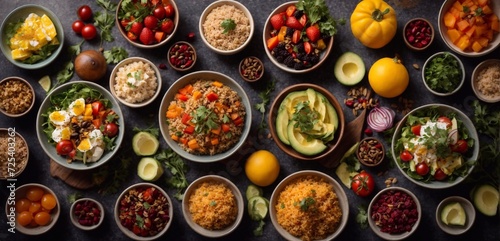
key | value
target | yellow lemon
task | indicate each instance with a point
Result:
(262, 168)
(388, 77)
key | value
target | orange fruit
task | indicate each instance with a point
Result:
(262, 168)
(388, 77)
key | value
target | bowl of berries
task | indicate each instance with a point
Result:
(86, 213)
(147, 25)
(295, 41)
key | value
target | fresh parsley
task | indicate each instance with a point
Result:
(151, 130)
(362, 217)
(305, 117)
(205, 120)
(177, 168)
(265, 97)
(306, 203)
(115, 55)
(228, 25)
(443, 73)
(65, 74)
(105, 22)
(317, 12)
(108, 5)
(73, 197)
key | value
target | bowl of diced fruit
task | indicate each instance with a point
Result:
(294, 39)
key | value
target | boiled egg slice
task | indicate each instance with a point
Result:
(59, 117)
(84, 145)
(77, 107)
(61, 133)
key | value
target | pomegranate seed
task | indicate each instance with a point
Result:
(190, 36)
(162, 66)
(418, 33)
(368, 131)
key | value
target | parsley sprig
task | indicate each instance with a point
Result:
(305, 117)
(317, 12)
(205, 119)
(228, 25)
(177, 168)
(265, 97)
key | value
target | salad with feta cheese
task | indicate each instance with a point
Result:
(434, 146)
(81, 124)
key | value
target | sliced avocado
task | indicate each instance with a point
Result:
(145, 144)
(294, 98)
(453, 214)
(320, 106)
(349, 69)
(344, 174)
(486, 199)
(332, 115)
(311, 96)
(301, 144)
(149, 169)
(282, 120)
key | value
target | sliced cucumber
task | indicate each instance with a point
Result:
(253, 191)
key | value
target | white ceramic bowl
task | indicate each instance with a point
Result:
(474, 80)
(143, 186)
(201, 230)
(21, 193)
(122, 64)
(50, 148)
(470, 214)
(447, 4)
(173, 90)
(74, 218)
(428, 63)
(21, 159)
(209, 9)
(21, 13)
(266, 35)
(339, 191)
(442, 109)
(385, 235)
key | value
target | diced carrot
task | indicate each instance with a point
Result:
(272, 42)
(483, 41)
(282, 33)
(455, 13)
(217, 84)
(214, 141)
(471, 31)
(188, 89)
(196, 94)
(454, 35)
(494, 23)
(290, 10)
(174, 137)
(480, 30)
(489, 35)
(215, 131)
(457, 5)
(183, 140)
(171, 114)
(463, 42)
(193, 144)
(462, 25)
(476, 47)
(449, 20)
(234, 116)
(487, 10)
(482, 2)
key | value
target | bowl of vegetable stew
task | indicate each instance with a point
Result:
(435, 146)
(470, 28)
(443, 73)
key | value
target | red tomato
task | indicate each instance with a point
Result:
(422, 169)
(406, 156)
(416, 129)
(212, 96)
(185, 118)
(440, 175)
(363, 184)
(89, 31)
(445, 120)
(159, 12)
(77, 26)
(111, 129)
(84, 12)
(169, 11)
(97, 107)
(189, 130)
(64, 147)
(460, 146)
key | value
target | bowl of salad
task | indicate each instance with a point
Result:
(435, 146)
(80, 125)
(297, 41)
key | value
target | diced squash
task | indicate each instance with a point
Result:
(471, 31)
(272, 42)
(196, 94)
(454, 35)
(449, 20)
(489, 35)
(477, 47)
(214, 141)
(482, 2)
(483, 41)
(457, 5)
(193, 144)
(174, 137)
(487, 10)
(320, 44)
(462, 25)
(463, 42)
(217, 84)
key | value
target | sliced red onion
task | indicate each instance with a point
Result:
(380, 118)
(453, 136)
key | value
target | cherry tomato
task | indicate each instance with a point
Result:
(24, 218)
(42, 218)
(422, 169)
(34, 194)
(406, 156)
(159, 12)
(169, 11)
(23, 204)
(84, 12)
(35, 207)
(416, 129)
(77, 26)
(440, 175)
(89, 31)
(445, 120)
(363, 184)
(111, 129)
(97, 107)
(64, 147)
(48, 201)
(460, 146)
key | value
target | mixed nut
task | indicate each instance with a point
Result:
(251, 68)
(394, 212)
(181, 56)
(370, 151)
(16, 96)
(359, 99)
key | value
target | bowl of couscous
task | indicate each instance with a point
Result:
(135, 82)
(213, 206)
(226, 27)
(313, 197)
(485, 80)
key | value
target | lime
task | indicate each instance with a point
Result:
(257, 208)
(253, 191)
(149, 169)
(45, 82)
(145, 144)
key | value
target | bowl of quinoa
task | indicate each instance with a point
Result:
(226, 27)
(486, 81)
(135, 82)
(309, 205)
(14, 153)
(213, 206)
(17, 96)
(205, 116)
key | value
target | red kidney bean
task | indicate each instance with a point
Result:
(395, 212)
(418, 33)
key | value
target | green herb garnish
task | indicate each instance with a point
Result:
(362, 217)
(443, 73)
(177, 168)
(151, 130)
(265, 97)
(115, 55)
(305, 117)
(306, 203)
(228, 25)
(213, 203)
(317, 12)
(205, 120)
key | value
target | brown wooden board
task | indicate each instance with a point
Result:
(76, 179)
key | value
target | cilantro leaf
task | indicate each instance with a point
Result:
(115, 55)
(362, 217)
(177, 168)
(108, 5)
(265, 98)
(228, 25)
(105, 22)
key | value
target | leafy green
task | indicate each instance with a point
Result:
(108, 5)
(177, 168)
(11, 29)
(105, 22)
(65, 74)
(317, 12)
(443, 73)
(259, 230)
(115, 55)
(306, 203)
(362, 217)
(153, 131)
(305, 117)
(265, 97)
(134, 9)
(205, 119)
(73, 197)
(75, 50)
(44, 52)
(228, 25)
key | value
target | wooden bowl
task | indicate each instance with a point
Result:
(412, 32)
(251, 69)
(370, 152)
(188, 53)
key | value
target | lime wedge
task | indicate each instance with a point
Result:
(145, 144)
(45, 82)
(257, 208)
(253, 191)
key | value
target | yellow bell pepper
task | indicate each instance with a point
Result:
(374, 23)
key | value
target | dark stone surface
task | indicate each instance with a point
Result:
(190, 10)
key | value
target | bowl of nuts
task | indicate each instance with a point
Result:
(86, 213)
(181, 56)
(251, 69)
(418, 34)
(370, 152)
(18, 96)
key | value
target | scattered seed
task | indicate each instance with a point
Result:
(416, 66)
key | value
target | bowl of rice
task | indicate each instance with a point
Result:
(313, 197)
(485, 80)
(135, 82)
(226, 27)
(213, 206)
(205, 116)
